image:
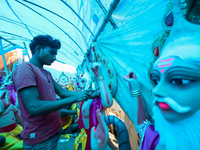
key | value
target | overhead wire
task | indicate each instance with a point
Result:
(57, 16)
(18, 17)
(77, 16)
(53, 24)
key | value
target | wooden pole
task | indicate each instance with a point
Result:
(3, 56)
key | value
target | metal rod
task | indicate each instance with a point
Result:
(54, 25)
(78, 16)
(10, 49)
(4, 59)
(59, 17)
(26, 50)
(7, 41)
(112, 7)
(18, 18)
(105, 12)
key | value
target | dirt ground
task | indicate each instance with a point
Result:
(69, 145)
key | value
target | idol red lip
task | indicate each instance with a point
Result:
(163, 105)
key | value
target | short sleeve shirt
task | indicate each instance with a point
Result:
(39, 128)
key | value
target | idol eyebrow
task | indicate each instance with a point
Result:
(156, 71)
(177, 67)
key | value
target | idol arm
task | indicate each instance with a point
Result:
(6, 81)
(17, 113)
(139, 112)
(100, 134)
(106, 96)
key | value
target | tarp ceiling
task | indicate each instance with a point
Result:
(129, 47)
(74, 22)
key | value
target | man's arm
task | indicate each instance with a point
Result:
(67, 93)
(65, 112)
(35, 106)
(62, 92)
(138, 107)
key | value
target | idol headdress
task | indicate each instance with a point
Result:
(183, 42)
(184, 39)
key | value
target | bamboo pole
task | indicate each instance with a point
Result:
(3, 56)
(111, 9)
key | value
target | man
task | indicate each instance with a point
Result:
(36, 90)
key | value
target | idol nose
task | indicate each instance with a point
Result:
(159, 90)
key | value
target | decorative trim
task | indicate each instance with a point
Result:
(149, 71)
(63, 75)
(8, 128)
(110, 75)
(135, 93)
(101, 78)
(146, 123)
(98, 56)
(158, 43)
(183, 7)
(110, 86)
(105, 61)
(167, 14)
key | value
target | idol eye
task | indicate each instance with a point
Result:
(155, 81)
(180, 81)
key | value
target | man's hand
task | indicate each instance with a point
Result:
(82, 96)
(133, 82)
(95, 94)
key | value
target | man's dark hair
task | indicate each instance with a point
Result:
(43, 41)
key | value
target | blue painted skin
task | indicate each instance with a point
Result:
(123, 137)
(100, 136)
(176, 84)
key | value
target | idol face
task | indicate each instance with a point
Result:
(176, 88)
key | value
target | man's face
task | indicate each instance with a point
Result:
(179, 82)
(48, 55)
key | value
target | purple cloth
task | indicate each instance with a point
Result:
(151, 139)
(96, 104)
(12, 94)
(1, 78)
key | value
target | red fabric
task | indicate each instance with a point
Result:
(8, 128)
(40, 127)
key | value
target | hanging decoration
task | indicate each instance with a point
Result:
(63, 79)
